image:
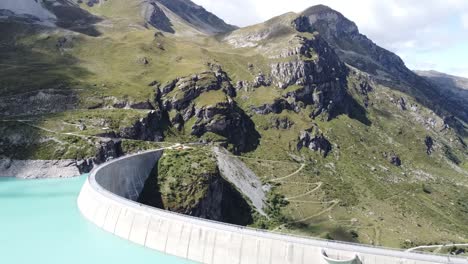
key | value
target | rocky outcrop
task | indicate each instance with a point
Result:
(229, 121)
(429, 145)
(39, 102)
(281, 122)
(363, 85)
(179, 94)
(343, 35)
(386, 67)
(219, 116)
(32, 11)
(314, 139)
(223, 203)
(316, 63)
(245, 180)
(319, 71)
(148, 128)
(108, 149)
(277, 107)
(393, 158)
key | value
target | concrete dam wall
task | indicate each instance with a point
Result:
(108, 199)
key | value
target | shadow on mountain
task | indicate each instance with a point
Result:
(36, 80)
(352, 108)
(25, 69)
(356, 111)
(456, 98)
(158, 19)
(70, 16)
(233, 207)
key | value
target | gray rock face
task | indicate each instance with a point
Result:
(196, 16)
(281, 123)
(181, 92)
(156, 17)
(343, 35)
(245, 180)
(148, 128)
(38, 169)
(314, 139)
(223, 203)
(323, 77)
(40, 102)
(453, 89)
(393, 158)
(108, 149)
(229, 121)
(223, 118)
(278, 106)
(315, 69)
(429, 145)
(386, 67)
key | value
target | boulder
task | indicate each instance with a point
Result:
(314, 139)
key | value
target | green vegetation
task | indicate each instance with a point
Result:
(184, 177)
(210, 98)
(354, 194)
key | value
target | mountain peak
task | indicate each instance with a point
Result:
(318, 9)
(325, 17)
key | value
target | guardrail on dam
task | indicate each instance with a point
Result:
(108, 200)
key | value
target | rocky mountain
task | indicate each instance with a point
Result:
(343, 140)
(175, 16)
(452, 89)
(34, 10)
(386, 67)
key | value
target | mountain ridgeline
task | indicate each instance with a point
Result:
(348, 143)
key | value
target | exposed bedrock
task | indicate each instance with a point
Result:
(314, 139)
(317, 63)
(189, 98)
(156, 17)
(39, 102)
(148, 128)
(178, 94)
(325, 98)
(244, 179)
(316, 68)
(229, 121)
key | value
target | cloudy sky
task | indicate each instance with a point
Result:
(427, 34)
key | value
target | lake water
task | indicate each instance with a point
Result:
(40, 223)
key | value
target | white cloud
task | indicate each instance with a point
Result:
(464, 19)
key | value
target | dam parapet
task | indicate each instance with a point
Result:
(109, 200)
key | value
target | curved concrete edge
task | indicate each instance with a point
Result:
(207, 241)
(336, 261)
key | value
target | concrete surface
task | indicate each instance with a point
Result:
(107, 199)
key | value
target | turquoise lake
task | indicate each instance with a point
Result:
(40, 223)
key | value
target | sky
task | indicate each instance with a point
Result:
(426, 34)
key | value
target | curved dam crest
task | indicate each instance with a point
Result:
(108, 199)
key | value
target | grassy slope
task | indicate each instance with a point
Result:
(359, 195)
(185, 177)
